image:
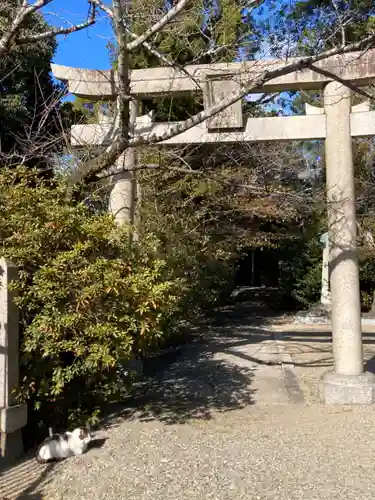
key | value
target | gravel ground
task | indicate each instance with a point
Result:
(281, 451)
(218, 424)
(310, 347)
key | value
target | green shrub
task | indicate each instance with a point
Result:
(88, 301)
(367, 275)
(300, 282)
(196, 235)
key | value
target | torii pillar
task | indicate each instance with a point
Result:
(124, 188)
(348, 383)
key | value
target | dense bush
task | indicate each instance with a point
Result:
(194, 226)
(302, 273)
(367, 275)
(300, 282)
(88, 300)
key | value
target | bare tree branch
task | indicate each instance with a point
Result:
(347, 83)
(169, 16)
(167, 61)
(259, 81)
(342, 27)
(25, 10)
(123, 90)
(107, 158)
(144, 43)
(110, 156)
(103, 7)
(56, 31)
(123, 33)
(11, 38)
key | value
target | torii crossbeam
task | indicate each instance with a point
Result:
(336, 123)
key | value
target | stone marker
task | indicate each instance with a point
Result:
(13, 416)
(217, 88)
(325, 295)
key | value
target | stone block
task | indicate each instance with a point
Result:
(9, 335)
(339, 389)
(313, 110)
(361, 107)
(12, 415)
(11, 446)
(13, 418)
(218, 87)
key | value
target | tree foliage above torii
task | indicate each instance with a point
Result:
(128, 41)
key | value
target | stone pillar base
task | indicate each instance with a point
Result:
(317, 314)
(338, 389)
(12, 420)
(11, 446)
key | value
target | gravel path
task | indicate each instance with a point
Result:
(281, 451)
(218, 423)
(310, 349)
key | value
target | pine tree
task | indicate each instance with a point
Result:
(323, 23)
(305, 27)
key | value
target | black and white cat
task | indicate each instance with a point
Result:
(60, 446)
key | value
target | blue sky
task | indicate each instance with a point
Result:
(86, 48)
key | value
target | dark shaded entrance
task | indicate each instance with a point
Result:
(258, 267)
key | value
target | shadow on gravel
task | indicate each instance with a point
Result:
(176, 386)
(189, 383)
(190, 386)
(317, 345)
(20, 479)
(192, 383)
(25, 479)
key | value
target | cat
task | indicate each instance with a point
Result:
(59, 446)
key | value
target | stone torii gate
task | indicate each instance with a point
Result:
(337, 123)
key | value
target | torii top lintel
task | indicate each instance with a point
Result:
(357, 67)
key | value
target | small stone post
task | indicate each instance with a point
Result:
(347, 383)
(12, 415)
(325, 296)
